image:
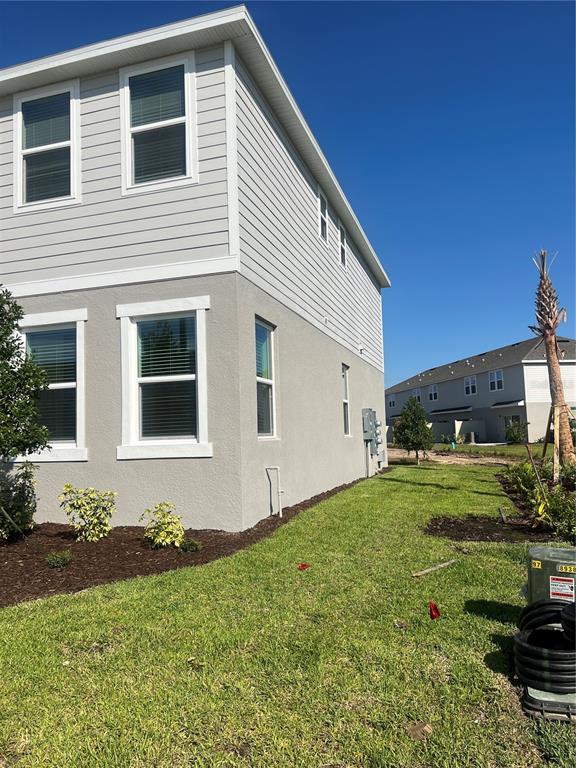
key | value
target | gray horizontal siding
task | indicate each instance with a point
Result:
(280, 248)
(107, 231)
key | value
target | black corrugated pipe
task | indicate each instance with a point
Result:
(544, 655)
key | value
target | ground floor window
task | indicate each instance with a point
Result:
(55, 341)
(265, 379)
(164, 385)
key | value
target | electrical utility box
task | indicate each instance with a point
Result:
(372, 430)
(551, 574)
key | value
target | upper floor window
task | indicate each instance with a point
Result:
(322, 217)
(264, 379)
(55, 341)
(470, 385)
(346, 398)
(496, 380)
(416, 394)
(47, 148)
(433, 392)
(391, 403)
(342, 246)
(164, 381)
(157, 125)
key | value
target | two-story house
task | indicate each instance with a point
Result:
(194, 281)
(478, 397)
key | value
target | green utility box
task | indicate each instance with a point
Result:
(551, 574)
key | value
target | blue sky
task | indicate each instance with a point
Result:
(449, 125)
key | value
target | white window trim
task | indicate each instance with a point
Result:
(75, 198)
(261, 380)
(433, 390)
(471, 383)
(417, 393)
(189, 119)
(77, 450)
(321, 196)
(132, 447)
(343, 243)
(495, 381)
(346, 400)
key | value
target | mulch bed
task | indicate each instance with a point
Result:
(24, 574)
(484, 528)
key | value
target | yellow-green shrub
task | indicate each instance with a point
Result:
(88, 510)
(164, 528)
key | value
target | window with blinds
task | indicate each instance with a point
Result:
(264, 379)
(46, 148)
(54, 350)
(345, 399)
(158, 125)
(167, 378)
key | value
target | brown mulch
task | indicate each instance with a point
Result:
(484, 528)
(24, 574)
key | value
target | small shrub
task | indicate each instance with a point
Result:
(568, 477)
(88, 510)
(58, 559)
(17, 501)
(190, 545)
(559, 512)
(164, 528)
(523, 482)
(516, 433)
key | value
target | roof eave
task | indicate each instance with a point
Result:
(229, 24)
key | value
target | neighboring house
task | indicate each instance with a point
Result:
(202, 296)
(479, 396)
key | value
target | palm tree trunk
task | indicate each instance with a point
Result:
(564, 438)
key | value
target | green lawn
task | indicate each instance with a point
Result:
(249, 662)
(504, 451)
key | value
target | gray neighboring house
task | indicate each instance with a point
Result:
(479, 396)
(199, 290)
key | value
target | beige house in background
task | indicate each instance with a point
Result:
(478, 397)
(195, 283)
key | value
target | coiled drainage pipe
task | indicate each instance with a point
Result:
(544, 656)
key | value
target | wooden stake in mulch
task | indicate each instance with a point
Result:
(434, 568)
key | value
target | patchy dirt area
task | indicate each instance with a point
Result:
(25, 575)
(484, 528)
(397, 454)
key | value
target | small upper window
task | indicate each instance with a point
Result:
(416, 394)
(342, 246)
(433, 392)
(157, 125)
(322, 217)
(391, 403)
(47, 143)
(470, 385)
(496, 380)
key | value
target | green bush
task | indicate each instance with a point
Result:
(568, 477)
(88, 510)
(554, 508)
(516, 433)
(164, 528)
(17, 501)
(190, 545)
(58, 559)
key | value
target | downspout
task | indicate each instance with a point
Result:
(278, 488)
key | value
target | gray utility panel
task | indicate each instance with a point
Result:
(372, 429)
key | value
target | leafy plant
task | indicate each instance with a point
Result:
(21, 380)
(58, 559)
(411, 430)
(164, 528)
(88, 510)
(568, 477)
(17, 501)
(558, 511)
(190, 545)
(516, 432)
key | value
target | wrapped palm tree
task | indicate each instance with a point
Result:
(548, 318)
